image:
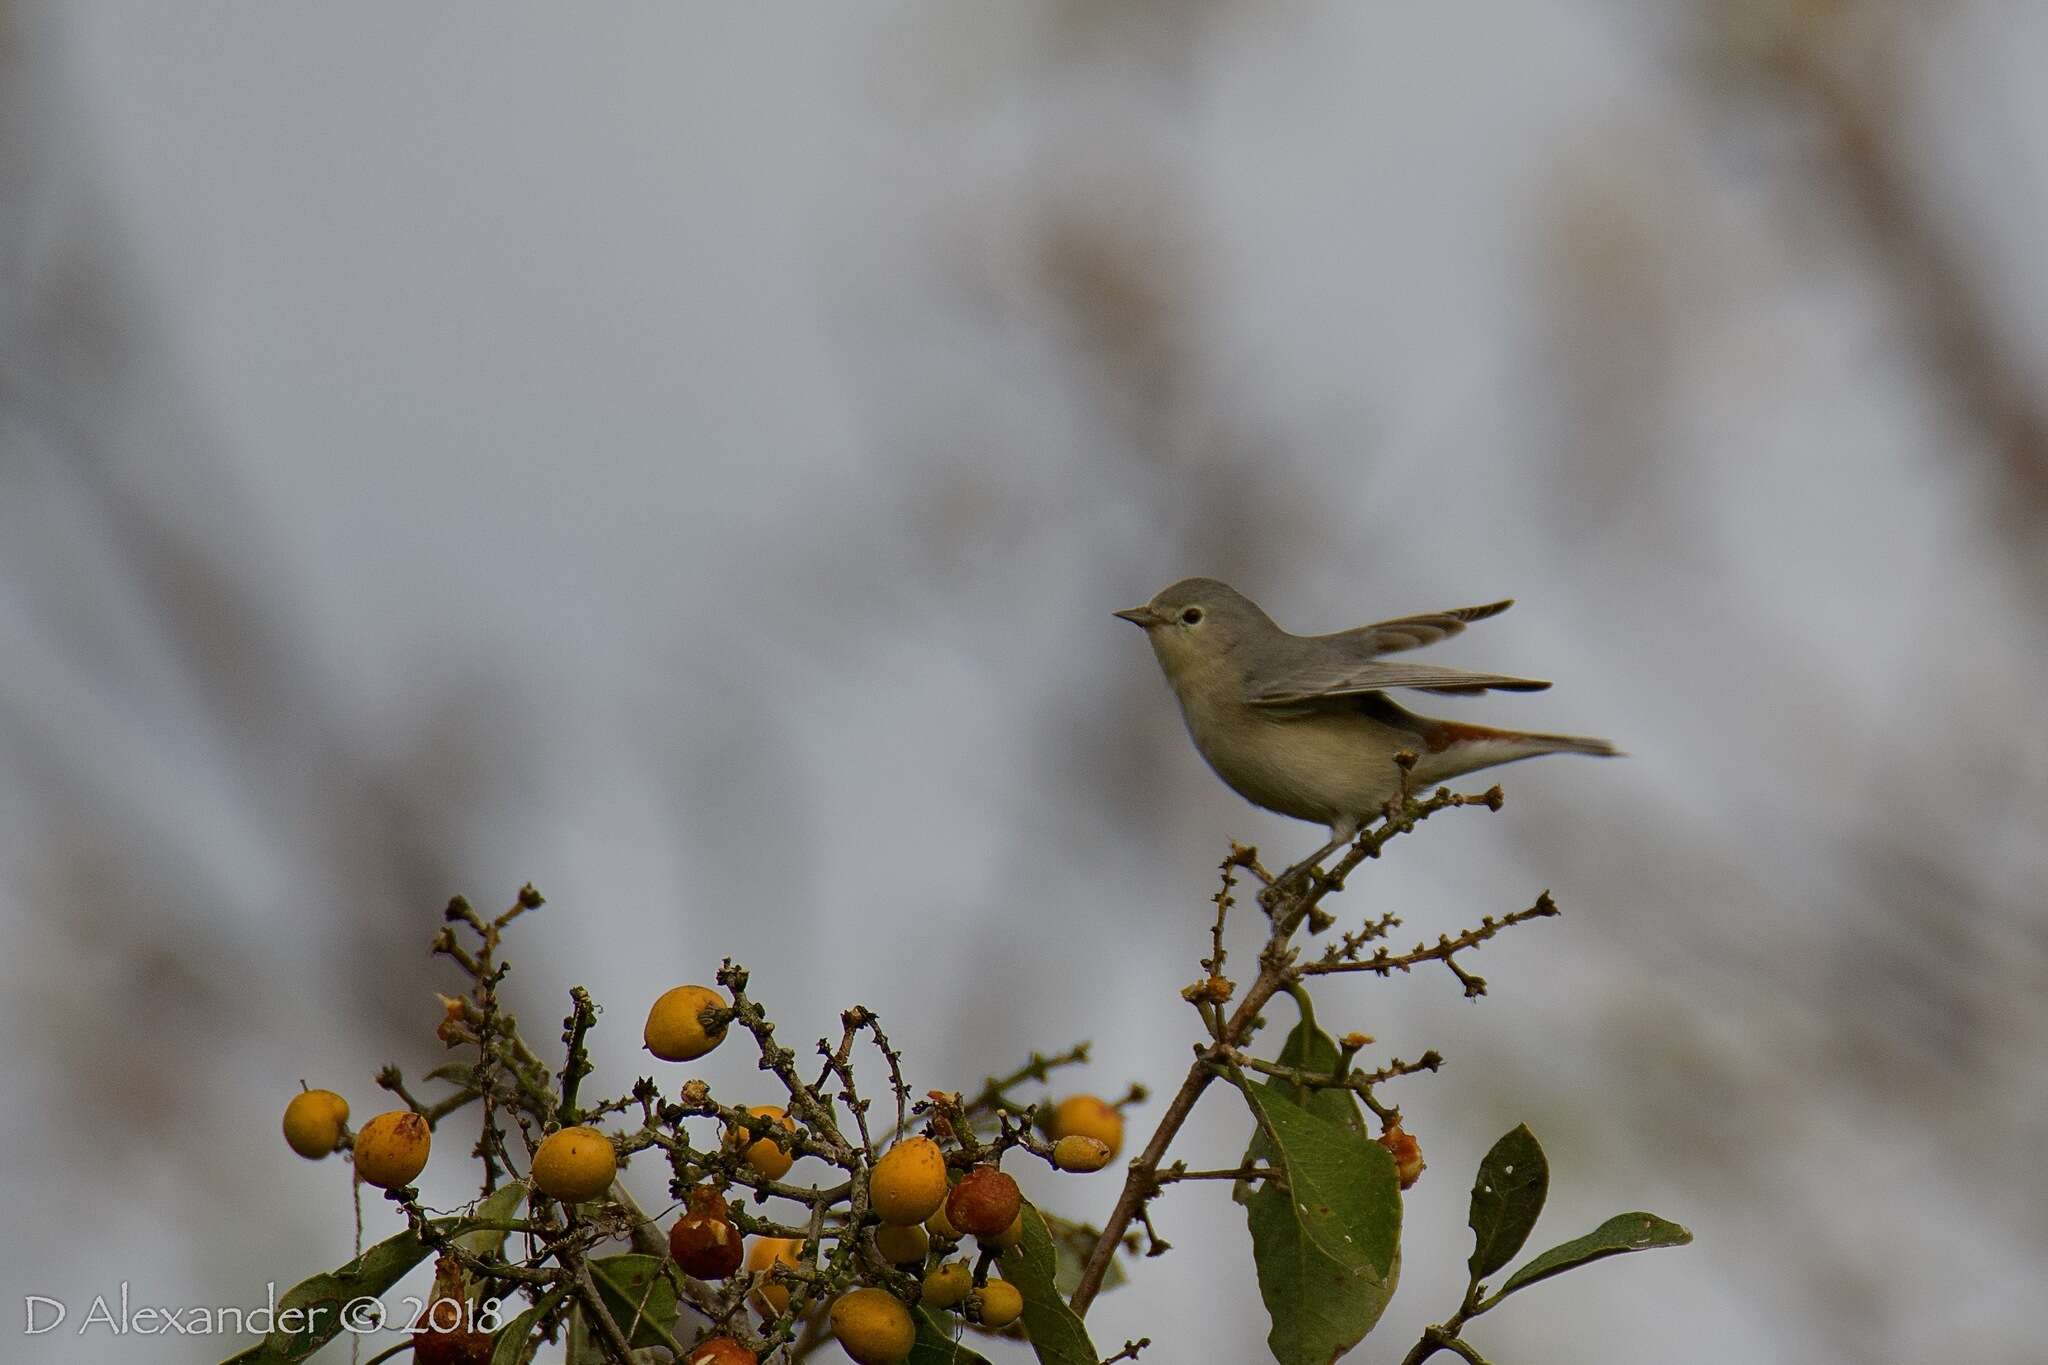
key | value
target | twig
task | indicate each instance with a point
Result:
(1443, 1338)
(1383, 963)
(839, 1063)
(576, 1064)
(994, 1090)
(869, 1021)
(1287, 903)
(1178, 1171)
(1350, 945)
(615, 1342)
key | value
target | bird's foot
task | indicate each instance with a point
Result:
(1301, 878)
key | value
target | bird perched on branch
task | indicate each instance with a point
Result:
(1303, 725)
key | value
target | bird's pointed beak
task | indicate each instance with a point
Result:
(1140, 616)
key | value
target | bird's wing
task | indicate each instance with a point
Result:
(1338, 676)
(1411, 632)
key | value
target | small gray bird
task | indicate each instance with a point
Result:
(1302, 724)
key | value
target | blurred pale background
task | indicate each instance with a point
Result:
(686, 456)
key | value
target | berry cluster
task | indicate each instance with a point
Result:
(905, 1227)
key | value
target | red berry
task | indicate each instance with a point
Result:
(1407, 1152)
(704, 1241)
(720, 1351)
(984, 1203)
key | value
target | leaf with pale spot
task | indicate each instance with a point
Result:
(1507, 1197)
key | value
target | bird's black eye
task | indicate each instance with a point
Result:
(1191, 617)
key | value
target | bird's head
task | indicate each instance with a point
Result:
(1198, 622)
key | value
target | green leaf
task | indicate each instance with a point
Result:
(639, 1296)
(1623, 1232)
(318, 1301)
(1071, 1243)
(935, 1346)
(513, 1346)
(314, 1306)
(1327, 1246)
(502, 1204)
(581, 1349)
(1056, 1333)
(1309, 1049)
(1507, 1196)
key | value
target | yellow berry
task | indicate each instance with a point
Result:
(909, 1182)
(947, 1285)
(766, 1253)
(765, 1155)
(902, 1246)
(392, 1148)
(1007, 1238)
(998, 1304)
(1088, 1116)
(1079, 1152)
(873, 1327)
(675, 1026)
(940, 1226)
(312, 1122)
(575, 1165)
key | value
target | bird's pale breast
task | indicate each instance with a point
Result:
(1314, 764)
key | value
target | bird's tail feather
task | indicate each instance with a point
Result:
(1449, 748)
(1562, 744)
(1452, 749)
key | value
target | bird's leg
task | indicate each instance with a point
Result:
(1339, 838)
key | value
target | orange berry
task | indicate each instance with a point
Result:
(1079, 1152)
(765, 1155)
(902, 1246)
(873, 1326)
(996, 1304)
(909, 1182)
(575, 1165)
(1007, 1238)
(765, 1254)
(947, 1285)
(312, 1122)
(675, 1029)
(1088, 1116)
(392, 1148)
